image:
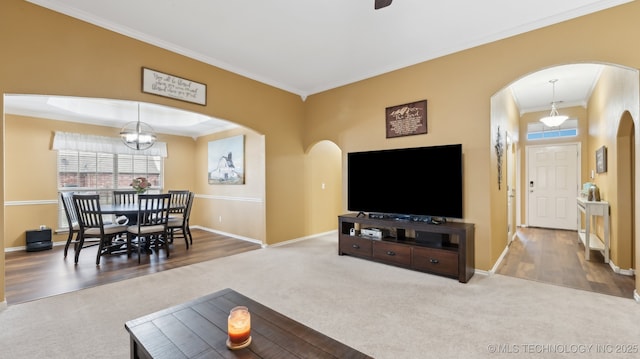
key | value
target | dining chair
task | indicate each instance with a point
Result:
(93, 227)
(180, 224)
(179, 200)
(72, 220)
(124, 197)
(150, 229)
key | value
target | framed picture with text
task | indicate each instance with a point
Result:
(406, 120)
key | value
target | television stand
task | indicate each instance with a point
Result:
(445, 249)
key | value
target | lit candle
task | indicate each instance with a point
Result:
(239, 325)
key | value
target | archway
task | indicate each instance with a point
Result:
(323, 194)
(602, 125)
(186, 162)
(625, 185)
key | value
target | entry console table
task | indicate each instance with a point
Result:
(198, 329)
(588, 236)
(445, 249)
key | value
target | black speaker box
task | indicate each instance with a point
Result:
(432, 239)
(39, 240)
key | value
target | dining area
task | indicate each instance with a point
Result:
(127, 222)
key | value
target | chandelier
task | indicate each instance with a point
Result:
(554, 119)
(138, 135)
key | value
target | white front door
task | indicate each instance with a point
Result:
(552, 186)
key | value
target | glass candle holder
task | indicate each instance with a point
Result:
(239, 327)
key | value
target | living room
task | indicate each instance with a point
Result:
(50, 53)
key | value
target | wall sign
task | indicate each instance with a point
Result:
(178, 88)
(406, 120)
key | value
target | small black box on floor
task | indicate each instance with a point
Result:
(39, 240)
(432, 239)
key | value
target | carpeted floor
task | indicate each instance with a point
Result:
(384, 311)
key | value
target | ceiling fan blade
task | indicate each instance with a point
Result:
(379, 4)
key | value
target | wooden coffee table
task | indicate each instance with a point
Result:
(198, 329)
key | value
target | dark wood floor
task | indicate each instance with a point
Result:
(557, 257)
(34, 275)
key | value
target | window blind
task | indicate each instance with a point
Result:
(102, 144)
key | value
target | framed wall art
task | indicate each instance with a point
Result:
(226, 161)
(161, 84)
(406, 120)
(601, 160)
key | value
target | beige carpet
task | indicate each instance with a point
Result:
(384, 311)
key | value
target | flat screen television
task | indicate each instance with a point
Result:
(421, 181)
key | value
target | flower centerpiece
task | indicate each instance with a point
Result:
(140, 184)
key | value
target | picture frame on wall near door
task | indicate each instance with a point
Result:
(601, 160)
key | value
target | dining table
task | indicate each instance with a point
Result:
(129, 210)
(126, 208)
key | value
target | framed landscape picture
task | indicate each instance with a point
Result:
(226, 161)
(601, 160)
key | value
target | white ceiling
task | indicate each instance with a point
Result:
(306, 47)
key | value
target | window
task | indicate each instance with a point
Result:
(538, 131)
(101, 173)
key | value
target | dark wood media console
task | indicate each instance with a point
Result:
(445, 249)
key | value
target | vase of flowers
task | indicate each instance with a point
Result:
(140, 184)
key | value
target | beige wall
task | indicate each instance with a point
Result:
(48, 53)
(615, 94)
(234, 209)
(505, 117)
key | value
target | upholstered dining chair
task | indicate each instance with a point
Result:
(93, 227)
(179, 224)
(72, 220)
(150, 229)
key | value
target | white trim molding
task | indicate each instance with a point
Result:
(30, 203)
(230, 198)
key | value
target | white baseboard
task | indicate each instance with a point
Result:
(260, 242)
(252, 240)
(304, 238)
(616, 269)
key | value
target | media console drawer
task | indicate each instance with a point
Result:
(355, 246)
(435, 260)
(393, 253)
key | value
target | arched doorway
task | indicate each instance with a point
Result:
(625, 185)
(601, 113)
(323, 194)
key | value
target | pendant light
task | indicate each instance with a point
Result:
(554, 119)
(138, 135)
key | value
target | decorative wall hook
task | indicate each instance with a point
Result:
(499, 152)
